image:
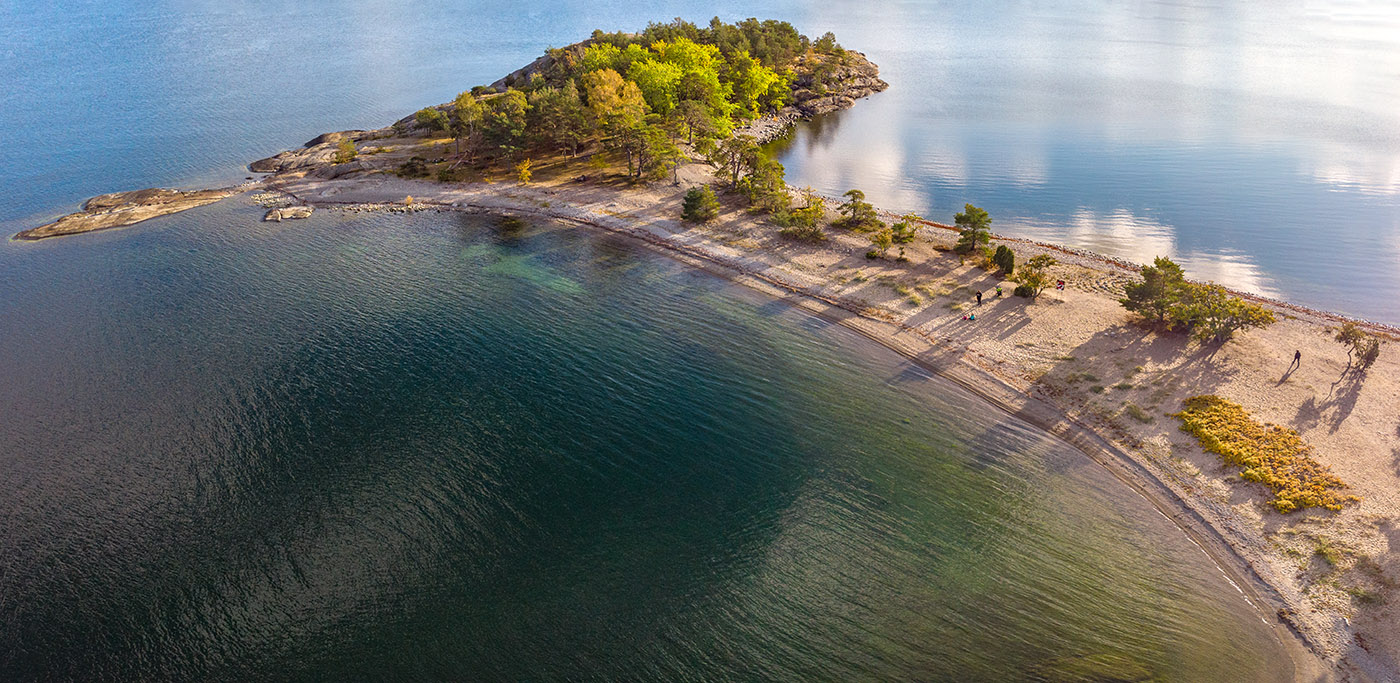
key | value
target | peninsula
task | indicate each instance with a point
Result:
(656, 136)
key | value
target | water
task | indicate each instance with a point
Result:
(395, 447)
(1256, 144)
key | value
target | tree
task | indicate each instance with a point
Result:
(505, 121)
(1213, 314)
(732, 156)
(1004, 259)
(431, 118)
(1362, 349)
(1034, 276)
(764, 186)
(859, 214)
(906, 228)
(616, 104)
(1159, 290)
(976, 229)
(466, 121)
(882, 239)
(696, 118)
(345, 151)
(700, 205)
(522, 172)
(657, 81)
(558, 118)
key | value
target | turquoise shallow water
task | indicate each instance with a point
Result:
(1256, 144)
(389, 447)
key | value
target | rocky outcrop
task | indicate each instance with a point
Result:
(125, 208)
(826, 83)
(288, 213)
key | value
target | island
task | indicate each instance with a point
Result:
(1266, 431)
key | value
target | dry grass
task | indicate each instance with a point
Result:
(1269, 454)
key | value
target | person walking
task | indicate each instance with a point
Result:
(1297, 358)
(979, 298)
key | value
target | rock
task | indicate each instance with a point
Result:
(125, 208)
(334, 137)
(337, 170)
(288, 213)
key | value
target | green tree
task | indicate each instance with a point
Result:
(749, 80)
(658, 82)
(764, 186)
(1362, 349)
(1160, 289)
(505, 121)
(465, 123)
(345, 151)
(1034, 276)
(858, 214)
(976, 229)
(733, 156)
(1004, 259)
(696, 118)
(1213, 314)
(432, 119)
(615, 104)
(700, 205)
(558, 118)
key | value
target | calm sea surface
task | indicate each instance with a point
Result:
(385, 447)
(400, 447)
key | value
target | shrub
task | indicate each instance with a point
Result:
(345, 151)
(1004, 259)
(882, 239)
(522, 172)
(1034, 276)
(416, 167)
(1271, 455)
(1213, 314)
(432, 119)
(905, 229)
(700, 205)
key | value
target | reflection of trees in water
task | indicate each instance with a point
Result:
(817, 133)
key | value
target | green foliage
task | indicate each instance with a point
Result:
(465, 122)
(522, 172)
(1213, 314)
(858, 214)
(1004, 259)
(976, 229)
(1034, 276)
(505, 119)
(882, 239)
(905, 228)
(734, 156)
(558, 119)
(803, 223)
(700, 205)
(1159, 290)
(1164, 298)
(345, 151)
(432, 119)
(764, 185)
(1362, 349)
(1271, 455)
(415, 167)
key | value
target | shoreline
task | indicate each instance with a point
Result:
(1317, 640)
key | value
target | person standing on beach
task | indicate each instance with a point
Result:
(979, 298)
(1297, 358)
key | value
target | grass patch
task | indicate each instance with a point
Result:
(1329, 553)
(1097, 388)
(1137, 413)
(1076, 377)
(1269, 454)
(1122, 386)
(1067, 359)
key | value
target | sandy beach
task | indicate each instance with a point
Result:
(1070, 362)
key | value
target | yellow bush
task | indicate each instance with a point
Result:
(1269, 454)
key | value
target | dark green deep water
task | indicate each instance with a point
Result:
(396, 448)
